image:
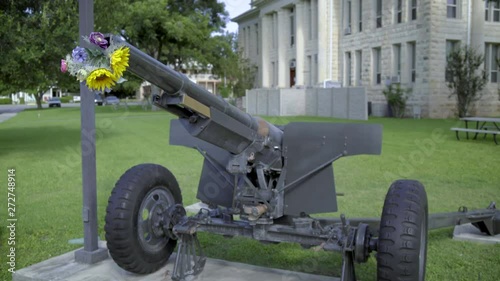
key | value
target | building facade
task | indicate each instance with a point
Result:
(369, 43)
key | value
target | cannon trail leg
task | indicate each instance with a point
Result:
(348, 273)
(190, 258)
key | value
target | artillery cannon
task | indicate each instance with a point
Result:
(272, 178)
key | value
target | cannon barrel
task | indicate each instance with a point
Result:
(203, 114)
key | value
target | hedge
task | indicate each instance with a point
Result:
(66, 99)
(6, 101)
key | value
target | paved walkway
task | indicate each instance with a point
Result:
(65, 268)
(6, 116)
(8, 111)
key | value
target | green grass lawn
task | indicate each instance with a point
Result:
(44, 148)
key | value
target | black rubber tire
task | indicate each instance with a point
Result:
(402, 244)
(122, 218)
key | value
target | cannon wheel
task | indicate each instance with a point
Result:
(402, 244)
(141, 195)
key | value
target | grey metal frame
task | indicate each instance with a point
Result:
(91, 253)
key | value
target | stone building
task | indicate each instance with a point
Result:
(303, 43)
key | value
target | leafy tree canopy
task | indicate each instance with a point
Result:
(35, 35)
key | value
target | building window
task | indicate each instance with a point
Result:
(377, 66)
(349, 15)
(495, 7)
(315, 69)
(257, 38)
(452, 9)
(450, 46)
(243, 41)
(274, 29)
(313, 19)
(292, 28)
(399, 11)
(413, 9)
(360, 15)
(492, 56)
(359, 60)
(273, 74)
(309, 20)
(348, 67)
(396, 53)
(494, 64)
(249, 40)
(378, 13)
(486, 10)
(412, 57)
(492, 10)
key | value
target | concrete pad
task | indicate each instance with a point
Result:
(65, 268)
(468, 232)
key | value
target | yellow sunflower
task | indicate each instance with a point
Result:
(100, 79)
(119, 61)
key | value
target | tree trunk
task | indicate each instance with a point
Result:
(463, 105)
(38, 98)
(155, 90)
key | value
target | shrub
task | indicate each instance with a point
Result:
(66, 99)
(396, 99)
(6, 101)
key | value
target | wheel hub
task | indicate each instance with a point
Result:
(174, 215)
(362, 243)
(157, 218)
(151, 217)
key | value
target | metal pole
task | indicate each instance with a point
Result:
(90, 253)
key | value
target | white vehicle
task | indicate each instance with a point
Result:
(54, 102)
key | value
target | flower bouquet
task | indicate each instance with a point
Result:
(101, 66)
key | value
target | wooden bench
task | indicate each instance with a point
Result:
(476, 131)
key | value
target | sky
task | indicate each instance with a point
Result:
(235, 8)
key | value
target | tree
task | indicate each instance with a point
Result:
(396, 99)
(237, 71)
(35, 36)
(175, 32)
(172, 31)
(464, 78)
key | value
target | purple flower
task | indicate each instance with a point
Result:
(79, 54)
(97, 38)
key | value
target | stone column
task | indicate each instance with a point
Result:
(265, 44)
(283, 66)
(300, 43)
(477, 25)
(323, 27)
